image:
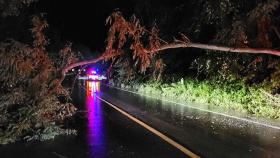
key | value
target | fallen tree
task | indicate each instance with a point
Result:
(145, 44)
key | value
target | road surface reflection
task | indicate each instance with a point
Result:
(95, 134)
(92, 87)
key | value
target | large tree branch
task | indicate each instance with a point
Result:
(69, 67)
(105, 56)
(219, 48)
(174, 46)
(180, 45)
(81, 63)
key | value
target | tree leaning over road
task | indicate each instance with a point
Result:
(128, 36)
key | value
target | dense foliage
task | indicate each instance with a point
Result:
(231, 23)
(241, 24)
(31, 101)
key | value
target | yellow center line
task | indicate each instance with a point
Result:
(151, 129)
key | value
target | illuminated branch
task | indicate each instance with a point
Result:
(104, 57)
(122, 30)
(219, 48)
(180, 45)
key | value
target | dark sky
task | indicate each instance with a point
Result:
(82, 21)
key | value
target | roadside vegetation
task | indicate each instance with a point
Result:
(231, 95)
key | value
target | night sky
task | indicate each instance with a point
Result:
(82, 22)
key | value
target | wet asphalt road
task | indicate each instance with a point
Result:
(206, 134)
(102, 133)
